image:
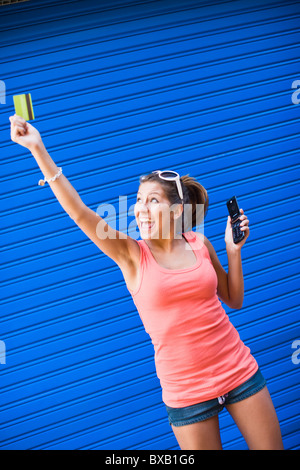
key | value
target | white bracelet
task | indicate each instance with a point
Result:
(42, 182)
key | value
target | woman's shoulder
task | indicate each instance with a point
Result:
(133, 253)
(204, 241)
(200, 236)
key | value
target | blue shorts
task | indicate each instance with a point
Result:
(207, 409)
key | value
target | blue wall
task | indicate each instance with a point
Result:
(121, 88)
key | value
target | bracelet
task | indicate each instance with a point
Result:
(42, 182)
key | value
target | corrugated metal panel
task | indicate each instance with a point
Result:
(119, 89)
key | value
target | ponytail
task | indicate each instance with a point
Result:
(194, 194)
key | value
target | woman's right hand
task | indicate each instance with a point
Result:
(24, 133)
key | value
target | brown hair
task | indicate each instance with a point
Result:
(193, 193)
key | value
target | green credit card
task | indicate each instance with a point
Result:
(23, 106)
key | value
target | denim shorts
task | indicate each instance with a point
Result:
(207, 409)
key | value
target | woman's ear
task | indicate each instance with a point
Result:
(177, 210)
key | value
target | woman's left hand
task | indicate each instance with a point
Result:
(244, 226)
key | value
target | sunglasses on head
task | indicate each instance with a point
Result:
(170, 175)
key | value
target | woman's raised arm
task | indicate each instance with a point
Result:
(113, 243)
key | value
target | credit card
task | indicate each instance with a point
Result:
(23, 106)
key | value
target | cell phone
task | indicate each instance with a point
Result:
(234, 212)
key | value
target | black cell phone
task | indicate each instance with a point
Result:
(234, 212)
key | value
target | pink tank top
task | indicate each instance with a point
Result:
(198, 352)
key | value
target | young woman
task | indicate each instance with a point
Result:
(176, 281)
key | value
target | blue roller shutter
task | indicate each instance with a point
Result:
(121, 88)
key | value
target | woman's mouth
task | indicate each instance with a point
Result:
(146, 224)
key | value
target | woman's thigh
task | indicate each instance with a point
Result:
(256, 418)
(204, 435)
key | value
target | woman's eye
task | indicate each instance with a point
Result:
(153, 198)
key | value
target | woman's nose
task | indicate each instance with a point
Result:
(143, 206)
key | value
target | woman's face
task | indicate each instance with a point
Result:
(152, 211)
